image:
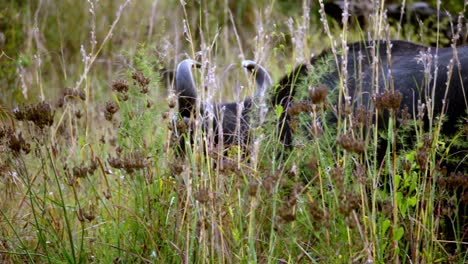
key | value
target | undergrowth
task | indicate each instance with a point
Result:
(91, 173)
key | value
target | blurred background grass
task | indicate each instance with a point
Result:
(41, 40)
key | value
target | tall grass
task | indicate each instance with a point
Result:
(91, 174)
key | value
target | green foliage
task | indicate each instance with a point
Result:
(103, 183)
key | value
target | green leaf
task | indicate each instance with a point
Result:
(412, 201)
(279, 111)
(398, 233)
(385, 226)
(397, 180)
(410, 156)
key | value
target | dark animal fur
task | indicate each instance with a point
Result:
(407, 74)
(409, 79)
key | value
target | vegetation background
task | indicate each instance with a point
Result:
(91, 186)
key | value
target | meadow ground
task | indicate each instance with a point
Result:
(88, 171)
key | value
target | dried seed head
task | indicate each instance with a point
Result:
(140, 79)
(300, 107)
(18, 114)
(144, 90)
(318, 94)
(171, 102)
(111, 109)
(116, 162)
(202, 195)
(269, 183)
(287, 214)
(176, 168)
(350, 144)
(80, 171)
(361, 115)
(253, 186)
(120, 86)
(92, 166)
(455, 180)
(18, 143)
(71, 180)
(5, 132)
(360, 173)
(70, 94)
(149, 103)
(74, 93)
(165, 115)
(123, 96)
(405, 116)
(90, 215)
(421, 158)
(315, 211)
(131, 162)
(78, 114)
(41, 114)
(312, 164)
(388, 100)
(80, 214)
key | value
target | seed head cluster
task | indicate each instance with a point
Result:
(18, 143)
(111, 108)
(141, 80)
(388, 100)
(89, 215)
(120, 86)
(131, 162)
(83, 171)
(41, 114)
(350, 144)
(318, 94)
(70, 94)
(362, 115)
(405, 116)
(299, 107)
(423, 152)
(455, 180)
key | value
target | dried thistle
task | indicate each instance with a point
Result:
(149, 103)
(111, 109)
(90, 215)
(171, 102)
(299, 107)
(78, 114)
(80, 171)
(388, 100)
(120, 86)
(70, 94)
(361, 115)
(350, 144)
(253, 187)
(18, 144)
(202, 195)
(318, 94)
(360, 173)
(287, 214)
(131, 162)
(141, 80)
(405, 116)
(41, 114)
(421, 158)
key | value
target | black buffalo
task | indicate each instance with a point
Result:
(231, 121)
(417, 73)
(410, 70)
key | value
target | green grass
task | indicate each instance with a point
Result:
(102, 183)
